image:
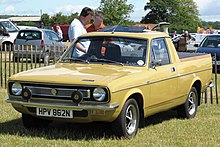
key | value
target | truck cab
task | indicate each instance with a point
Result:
(8, 33)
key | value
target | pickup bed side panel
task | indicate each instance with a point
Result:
(190, 70)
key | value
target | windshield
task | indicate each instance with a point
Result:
(108, 50)
(211, 42)
(9, 26)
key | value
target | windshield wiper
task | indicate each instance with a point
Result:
(105, 60)
(75, 60)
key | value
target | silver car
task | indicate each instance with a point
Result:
(38, 44)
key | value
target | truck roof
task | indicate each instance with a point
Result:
(128, 31)
(148, 34)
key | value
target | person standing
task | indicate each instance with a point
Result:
(97, 24)
(59, 32)
(77, 28)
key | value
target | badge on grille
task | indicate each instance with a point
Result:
(53, 92)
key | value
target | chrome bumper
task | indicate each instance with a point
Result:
(76, 107)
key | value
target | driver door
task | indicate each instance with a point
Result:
(163, 76)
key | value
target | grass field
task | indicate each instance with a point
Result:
(163, 129)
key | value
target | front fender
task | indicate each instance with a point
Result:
(120, 97)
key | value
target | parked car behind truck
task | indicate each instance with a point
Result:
(8, 33)
(38, 43)
(211, 44)
(113, 85)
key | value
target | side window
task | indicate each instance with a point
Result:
(159, 52)
(54, 36)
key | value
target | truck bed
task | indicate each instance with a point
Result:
(184, 56)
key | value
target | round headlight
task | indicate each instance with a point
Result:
(16, 88)
(99, 94)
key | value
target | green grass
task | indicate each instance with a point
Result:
(163, 129)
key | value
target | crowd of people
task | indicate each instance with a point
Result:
(181, 42)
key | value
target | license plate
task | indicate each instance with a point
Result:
(54, 113)
(217, 62)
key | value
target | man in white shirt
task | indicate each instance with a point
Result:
(77, 28)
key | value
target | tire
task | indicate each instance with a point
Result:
(189, 108)
(127, 123)
(31, 122)
(7, 46)
(16, 59)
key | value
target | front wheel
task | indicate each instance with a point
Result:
(7, 46)
(126, 125)
(189, 108)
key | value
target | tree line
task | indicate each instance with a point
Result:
(181, 14)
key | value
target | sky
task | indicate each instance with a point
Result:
(208, 9)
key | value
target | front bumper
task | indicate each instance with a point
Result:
(83, 113)
(76, 107)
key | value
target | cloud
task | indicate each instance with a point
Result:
(207, 8)
(69, 9)
(8, 10)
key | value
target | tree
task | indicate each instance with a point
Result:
(116, 11)
(45, 18)
(182, 14)
(58, 18)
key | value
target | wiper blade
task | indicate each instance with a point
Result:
(75, 60)
(105, 60)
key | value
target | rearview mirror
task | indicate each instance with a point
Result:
(5, 33)
(196, 45)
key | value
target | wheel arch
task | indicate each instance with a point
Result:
(140, 101)
(197, 84)
(7, 42)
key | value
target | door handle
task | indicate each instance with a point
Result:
(173, 69)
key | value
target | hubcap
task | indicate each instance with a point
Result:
(131, 119)
(192, 105)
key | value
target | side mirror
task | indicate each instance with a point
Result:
(196, 45)
(60, 40)
(156, 63)
(4, 33)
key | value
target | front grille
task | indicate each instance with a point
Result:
(59, 92)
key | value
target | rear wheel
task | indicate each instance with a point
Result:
(189, 108)
(30, 122)
(126, 125)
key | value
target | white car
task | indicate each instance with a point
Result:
(8, 33)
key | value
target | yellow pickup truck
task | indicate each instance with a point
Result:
(116, 77)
